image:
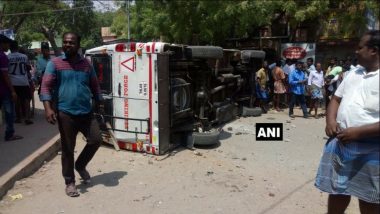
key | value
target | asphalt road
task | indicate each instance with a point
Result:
(239, 175)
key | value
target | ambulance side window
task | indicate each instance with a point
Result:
(102, 66)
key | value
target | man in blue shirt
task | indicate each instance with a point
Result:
(297, 81)
(42, 61)
(72, 81)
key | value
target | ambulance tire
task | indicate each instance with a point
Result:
(253, 54)
(206, 138)
(206, 52)
(181, 96)
(254, 112)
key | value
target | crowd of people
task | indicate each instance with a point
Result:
(20, 76)
(305, 84)
(67, 86)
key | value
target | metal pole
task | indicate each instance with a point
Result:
(128, 17)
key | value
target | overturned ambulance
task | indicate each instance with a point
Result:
(159, 95)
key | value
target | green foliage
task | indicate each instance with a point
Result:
(190, 22)
(48, 23)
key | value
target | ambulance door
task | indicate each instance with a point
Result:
(131, 104)
(103, 68)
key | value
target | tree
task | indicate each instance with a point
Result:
(46, 20)
(211, 21)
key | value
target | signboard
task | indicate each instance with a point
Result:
(298, 51)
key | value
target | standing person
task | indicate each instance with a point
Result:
(74, 81)
(19, 76)
(350, 165)
(42, 61)
(279, 86)
(329, 92)
(7, 93)
(261, 86)
(306, 69)
(310, 64)
(348, 66)
(316, 83)
(297, 82)
(332, 64)
(287, 68)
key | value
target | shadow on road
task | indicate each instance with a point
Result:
(108, 179)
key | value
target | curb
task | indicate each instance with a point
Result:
(29, 165)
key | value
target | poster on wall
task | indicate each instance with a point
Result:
(297, 51)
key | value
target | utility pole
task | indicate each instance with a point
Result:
(128, 17)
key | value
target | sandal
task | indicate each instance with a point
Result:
(14, 137)
(71, 190)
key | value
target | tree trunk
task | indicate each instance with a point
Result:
(49, 35)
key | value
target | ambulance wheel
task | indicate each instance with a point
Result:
(254, 112)
(180, 95)
(206, 52)
(253, 54)
(205, 138)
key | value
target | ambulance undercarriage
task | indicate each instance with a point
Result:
(159, 95)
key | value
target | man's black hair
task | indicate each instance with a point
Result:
(374, 39)
(13, 46)
(45, 45)
(5, 39)
(75, 34)
(310, 59)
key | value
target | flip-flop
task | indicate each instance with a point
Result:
(71, 190)
(14, 137)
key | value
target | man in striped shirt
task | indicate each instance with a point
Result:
(67, 89)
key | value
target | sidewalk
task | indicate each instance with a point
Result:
(21, 158)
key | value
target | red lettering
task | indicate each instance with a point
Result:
(126, 101)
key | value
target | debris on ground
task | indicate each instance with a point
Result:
(16, 196)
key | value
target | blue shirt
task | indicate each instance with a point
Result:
(73, 83)
(294, 77)
(41, 66)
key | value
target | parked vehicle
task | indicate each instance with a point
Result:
(158, 95)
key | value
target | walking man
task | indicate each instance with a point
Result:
(19, 75)
(42, 61)
(350, 165)
(261, 87)
(71, 82)
(8, 95)
(316, 83)
(279, 86)
(297, 82)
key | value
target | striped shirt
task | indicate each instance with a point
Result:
(72, 83)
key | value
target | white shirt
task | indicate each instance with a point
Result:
(352, 68)
(316, 78)
(312, 67)
(360, 99)
(17, 69)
